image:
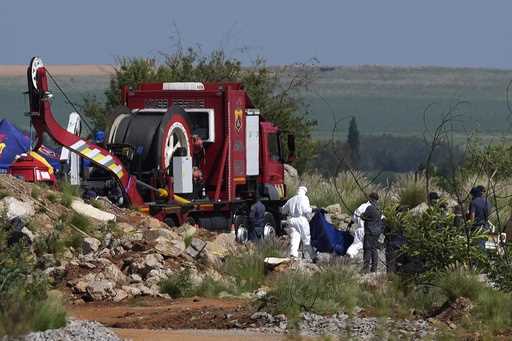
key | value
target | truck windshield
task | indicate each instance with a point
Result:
(274, 147)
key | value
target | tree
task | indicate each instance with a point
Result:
(353, 142)
(275, 91)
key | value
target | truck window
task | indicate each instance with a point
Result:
(273, 146)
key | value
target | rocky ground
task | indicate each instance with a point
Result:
(112, 274)
(74, 331)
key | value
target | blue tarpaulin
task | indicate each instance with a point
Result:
(325, 237)
(13, 142)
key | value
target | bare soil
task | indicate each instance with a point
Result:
(196, 335)
(190, 319)
(155, 313)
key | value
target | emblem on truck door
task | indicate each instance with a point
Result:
(238, 119)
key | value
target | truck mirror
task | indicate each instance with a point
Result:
(291, 148)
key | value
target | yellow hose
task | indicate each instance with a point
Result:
(180, 200)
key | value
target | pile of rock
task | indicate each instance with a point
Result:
(130, 260)
(343, 325)
(74, 331)
(134, 264)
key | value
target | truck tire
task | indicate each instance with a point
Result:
(205, 223)
(241, 223)
(174, 132)
(170, 222)
(270, 227)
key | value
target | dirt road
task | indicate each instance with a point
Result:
(189, 319)
(154, 313)
(193, 335)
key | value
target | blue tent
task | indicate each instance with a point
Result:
(13, 142)
(325, 237)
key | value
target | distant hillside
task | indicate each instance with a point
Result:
(384, 99)
(76, 80)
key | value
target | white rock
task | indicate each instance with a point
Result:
(112, 273)
(156, 233)
(80, 287)
(120, 295)
(153, 260)
(90, 245)
(101, 290)
(130, 290)
(169, 248)
(28, 234)
(16, 208)
(90, 211)
(135, 278)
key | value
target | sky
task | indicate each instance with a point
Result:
(461, 33)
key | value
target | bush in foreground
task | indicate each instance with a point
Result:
(330, 290)
(180, 284)
(25, 304)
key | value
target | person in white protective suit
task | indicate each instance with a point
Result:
(357, 244)
(299, 211)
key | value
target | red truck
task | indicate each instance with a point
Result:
(183, 152)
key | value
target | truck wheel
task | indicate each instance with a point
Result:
(174, 134)
(170, 222)
(270, 227)
(205, 223)
(191, 221)
(241, 229)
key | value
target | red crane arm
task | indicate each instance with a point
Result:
(44, 122)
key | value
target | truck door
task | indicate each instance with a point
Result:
(272, 171)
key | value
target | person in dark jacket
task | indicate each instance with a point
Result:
(479, 207)
(257, 220)
(373, 227)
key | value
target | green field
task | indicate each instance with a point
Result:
(392, 99)
(383, 99)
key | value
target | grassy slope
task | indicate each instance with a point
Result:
(383, 99)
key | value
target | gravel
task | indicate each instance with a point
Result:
(74, 331)
(343, 325)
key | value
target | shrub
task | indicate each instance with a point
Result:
(24, 302)
(434, 243)
(330, 290)
(188, 236)
(247, 268)
(178, 284)
(51, 243)
(343, 189)
(411, 190)
(80, 221)
(209, 287)
(68, 192)
(96, 203)
(36, 192)
(492, 310)
(52, 197)
(50, 314)
(74, 240)
(66, 200)
(459, 282)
